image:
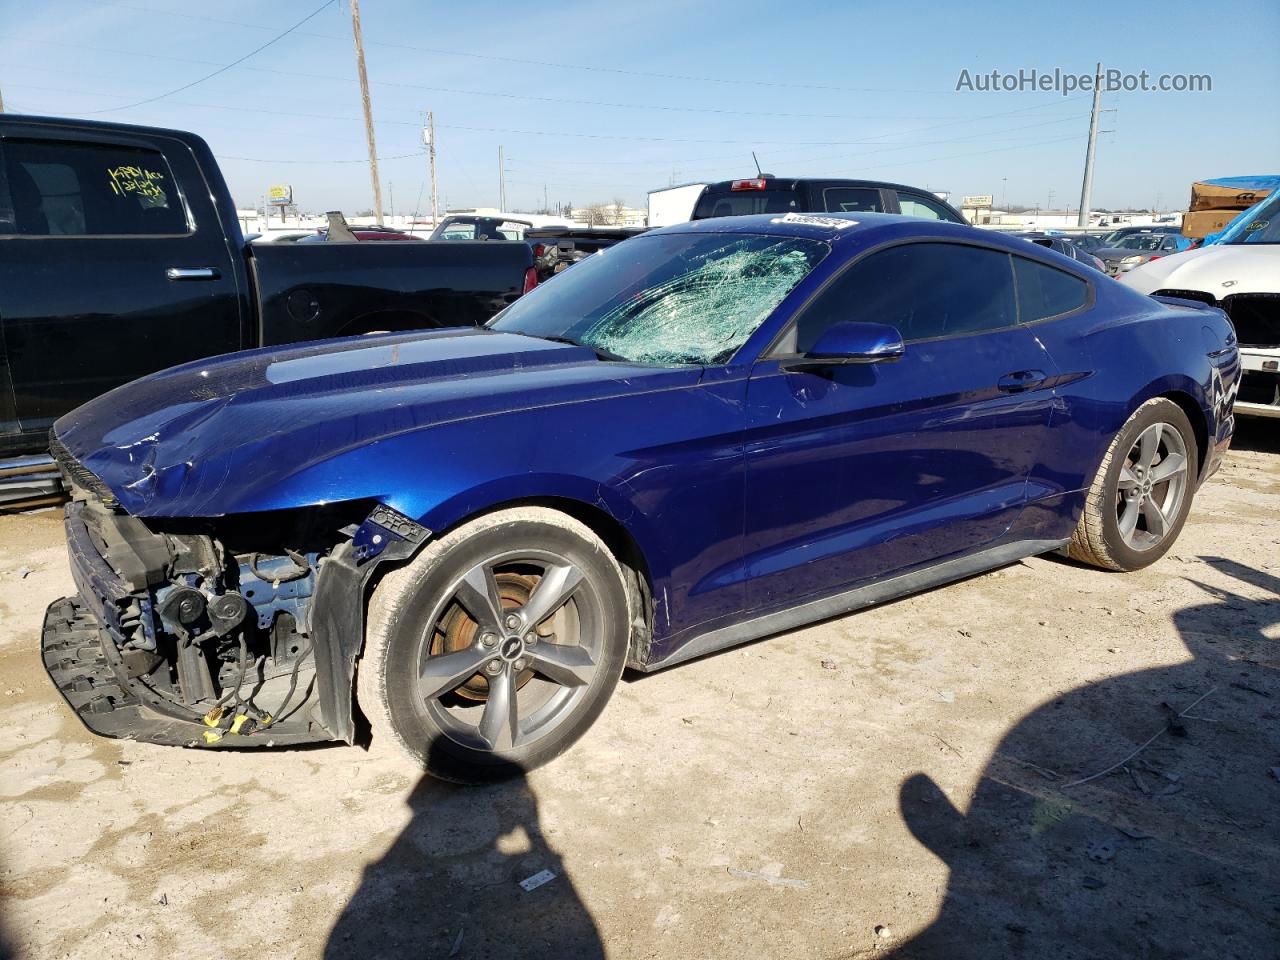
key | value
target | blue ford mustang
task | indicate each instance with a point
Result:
(706, 434)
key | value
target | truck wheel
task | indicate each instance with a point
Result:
(497, 647)
(1142, 493)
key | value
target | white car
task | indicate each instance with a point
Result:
(1242, 276)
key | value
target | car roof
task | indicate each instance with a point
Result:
(843, 228)
(853, 230)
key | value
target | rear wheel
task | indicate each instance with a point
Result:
(497, 647)
(1141, 496)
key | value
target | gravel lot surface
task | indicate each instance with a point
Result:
(894, 783)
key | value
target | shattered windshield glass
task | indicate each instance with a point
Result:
(669, 298)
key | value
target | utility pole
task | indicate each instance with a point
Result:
(502, 182)
(368, 111)
(1, 102)
(1086, 190)
(431, 152)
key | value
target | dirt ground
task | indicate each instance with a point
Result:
(897, 783)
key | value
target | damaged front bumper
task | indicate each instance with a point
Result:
(147, 651)
(99, 649)
(86, 667)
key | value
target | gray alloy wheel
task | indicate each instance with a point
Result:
(1142, 493)
(525, 665)
(495, 648)
(1151, 486)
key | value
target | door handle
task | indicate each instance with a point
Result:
(1021, 380)
(191, 273)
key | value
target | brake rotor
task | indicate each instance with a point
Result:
(457, 630)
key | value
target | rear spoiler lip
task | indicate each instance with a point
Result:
(1182, 302)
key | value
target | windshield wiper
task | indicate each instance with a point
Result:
(600, 352)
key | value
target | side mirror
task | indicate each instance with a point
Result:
(851, 342)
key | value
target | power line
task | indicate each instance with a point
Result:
(670, 108)
(987, 135)
(223, 69)
(887, 165)
(736, 81)
(268, 160)
(871, 140)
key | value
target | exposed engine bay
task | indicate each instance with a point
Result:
(201, 632)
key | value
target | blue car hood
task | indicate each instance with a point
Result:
(206, 438)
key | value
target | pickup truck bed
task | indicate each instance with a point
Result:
(121, 254)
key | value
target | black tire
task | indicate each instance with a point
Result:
(410, 605)
(1098, 539)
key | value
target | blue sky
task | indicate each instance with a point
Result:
(624, 97)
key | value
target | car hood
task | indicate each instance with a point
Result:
(1218, 269)
(194, 440)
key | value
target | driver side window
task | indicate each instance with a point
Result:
(925, 290)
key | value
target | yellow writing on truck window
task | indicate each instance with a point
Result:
(127, 180)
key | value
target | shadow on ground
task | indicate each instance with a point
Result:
(450, 885)
(1257, 433)
(1175, 854)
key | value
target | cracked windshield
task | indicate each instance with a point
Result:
(682, 298)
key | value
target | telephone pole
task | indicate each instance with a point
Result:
(1082, 219)
(368, 110)
(431, 151)
(502, 182)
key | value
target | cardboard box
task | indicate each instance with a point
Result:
(1206, 196)
(1200, 223)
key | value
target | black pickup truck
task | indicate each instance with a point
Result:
(769, 194)
(121, 254)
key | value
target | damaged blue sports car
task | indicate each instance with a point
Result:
(706, 434)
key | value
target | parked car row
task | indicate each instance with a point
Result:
(1065, 246)
(1135, 249)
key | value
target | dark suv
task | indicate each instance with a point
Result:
(770, 194)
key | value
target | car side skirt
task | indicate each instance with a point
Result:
(846, 602)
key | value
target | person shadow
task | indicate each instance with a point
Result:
(450, 884)
(1076, 844)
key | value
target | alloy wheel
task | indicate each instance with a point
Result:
(510, 651)
(1152, 486)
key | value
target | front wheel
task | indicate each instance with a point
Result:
(1142, 494)
(497, 647)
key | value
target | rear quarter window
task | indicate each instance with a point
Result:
(79, 189)
(1045, 291)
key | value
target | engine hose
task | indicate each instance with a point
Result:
(300, 568)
